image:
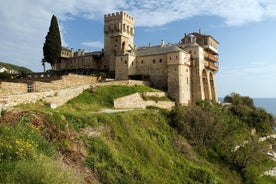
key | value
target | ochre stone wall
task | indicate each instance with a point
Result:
(156, 67)
(12, 88)
(55, 95)
(135, 101)
(66, 81)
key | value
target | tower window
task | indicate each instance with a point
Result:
(142, 62)
(205, 41)
(176, 57)
(160, 60)
(153, 61)
(125, 62)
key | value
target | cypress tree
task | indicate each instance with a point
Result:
(52, 45)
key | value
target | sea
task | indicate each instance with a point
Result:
(269, 104)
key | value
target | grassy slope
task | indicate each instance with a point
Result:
(138, 146)
(129, 147)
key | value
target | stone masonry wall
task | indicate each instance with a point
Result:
(60, 96)
(66, 81)
(12, 88)
(57, 97)
(135, 101)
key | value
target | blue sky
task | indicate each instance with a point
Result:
(245, 30)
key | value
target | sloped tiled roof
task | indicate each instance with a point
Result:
(155, 50)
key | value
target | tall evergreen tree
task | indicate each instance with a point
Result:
(52, 45)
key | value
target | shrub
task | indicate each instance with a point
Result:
(243, 107)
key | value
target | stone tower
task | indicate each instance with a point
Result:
(118, 37)
(204, 64)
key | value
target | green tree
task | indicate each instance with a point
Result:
(52, 45)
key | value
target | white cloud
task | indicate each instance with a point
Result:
(94, 45)
(24, 24)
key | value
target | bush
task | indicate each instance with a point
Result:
(5, 75)
(243, 107)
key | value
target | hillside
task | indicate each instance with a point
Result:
(77, 144)
(17, 69)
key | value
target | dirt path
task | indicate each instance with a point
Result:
(113, 110)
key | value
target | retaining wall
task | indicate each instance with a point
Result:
(66, 81)
(135, 101)
(56, 96)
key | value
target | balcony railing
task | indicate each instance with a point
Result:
(210, 56)
(211, 66)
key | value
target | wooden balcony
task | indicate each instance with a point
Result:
(210, 56)
(211, 66)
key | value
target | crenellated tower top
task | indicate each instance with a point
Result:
(118, 36)
(118, 16)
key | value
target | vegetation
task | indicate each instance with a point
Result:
(244, 109)
(102, 97)
(27, 150)
(22, 71)
(222, 135)
(201, 143)
(16, 68)
(52, 45)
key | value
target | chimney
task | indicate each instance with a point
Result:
(162, 43)
(72, 52)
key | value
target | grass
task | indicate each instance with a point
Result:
(102, 97)
(28, 151)
(43, 169)
(128, 147)
(140, 147)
